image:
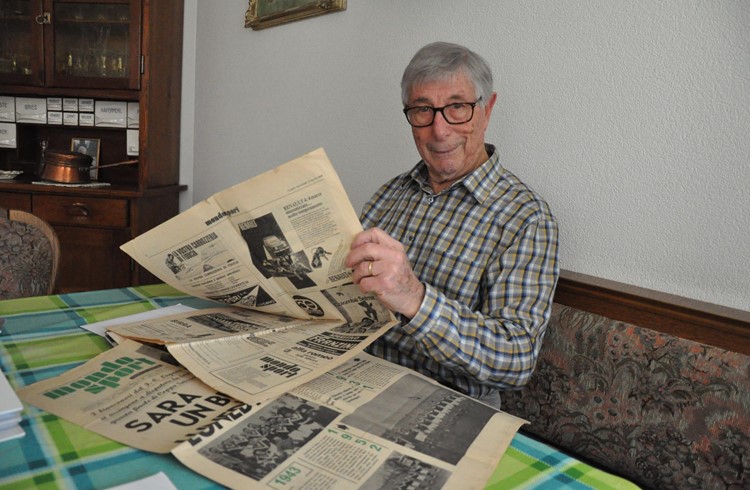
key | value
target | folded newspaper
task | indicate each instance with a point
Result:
(274, 390)
(275, 243)
(272, 247)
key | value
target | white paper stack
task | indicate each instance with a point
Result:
(10, 412)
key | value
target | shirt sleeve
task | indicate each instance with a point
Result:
(499, 343)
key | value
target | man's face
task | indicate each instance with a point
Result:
(450, 151)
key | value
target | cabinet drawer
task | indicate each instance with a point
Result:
(90, 258)
(11, 200)
(76, 210)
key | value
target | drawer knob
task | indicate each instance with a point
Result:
(79, 210)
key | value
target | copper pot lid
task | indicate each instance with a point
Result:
(67, 157)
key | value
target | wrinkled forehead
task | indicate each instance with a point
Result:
(456, 82)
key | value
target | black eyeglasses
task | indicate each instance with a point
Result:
(456, 113)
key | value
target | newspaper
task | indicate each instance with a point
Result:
(362, 425)
(254, 356)
(368, 424)
(274, 243)
(133, 394)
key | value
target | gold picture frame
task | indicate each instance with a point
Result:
(268, 13)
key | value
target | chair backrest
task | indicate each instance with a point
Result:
(29, 255)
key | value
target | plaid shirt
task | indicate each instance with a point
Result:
(486, 251)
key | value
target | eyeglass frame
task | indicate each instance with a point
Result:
(435, 110)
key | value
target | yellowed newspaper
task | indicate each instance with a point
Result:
(363, 424)
(275, 243)
(253, 356)
(134, 394)
(368, 424)
(275, 246)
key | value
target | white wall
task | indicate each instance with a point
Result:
(631, 117)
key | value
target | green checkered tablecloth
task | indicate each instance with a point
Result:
(41, 337)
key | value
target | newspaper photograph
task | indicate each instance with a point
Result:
(254, 356)
(368, 424)
(274, 243)
(136, 395)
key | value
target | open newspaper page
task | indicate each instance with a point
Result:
(134, 394)
(210, 323)
(368, 424)
(275, 243)
(253, 356)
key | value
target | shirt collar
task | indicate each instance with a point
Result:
(478, 183)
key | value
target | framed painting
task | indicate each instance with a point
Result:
(268, 13)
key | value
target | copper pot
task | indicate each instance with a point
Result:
(71, 167)
(67, 167)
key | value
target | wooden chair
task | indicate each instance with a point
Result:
(29, 255)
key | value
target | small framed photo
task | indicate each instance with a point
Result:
(88, 146)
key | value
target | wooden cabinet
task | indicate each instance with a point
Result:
(87, 55)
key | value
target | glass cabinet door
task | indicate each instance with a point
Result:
(93, 44)
(21, 52)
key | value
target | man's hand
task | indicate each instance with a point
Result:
(381, 267)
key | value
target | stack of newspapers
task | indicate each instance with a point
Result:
(271, 387)
(10, 412)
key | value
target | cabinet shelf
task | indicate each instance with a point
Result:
(25, 186)
(123, 23)
(109, 94)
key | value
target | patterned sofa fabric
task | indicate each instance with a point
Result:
(662, 411)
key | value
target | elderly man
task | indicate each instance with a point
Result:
(458, 247)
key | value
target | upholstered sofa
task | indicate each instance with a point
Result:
(661, 411)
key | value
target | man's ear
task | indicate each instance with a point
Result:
(490, 104)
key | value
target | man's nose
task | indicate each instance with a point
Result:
(439, 124)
